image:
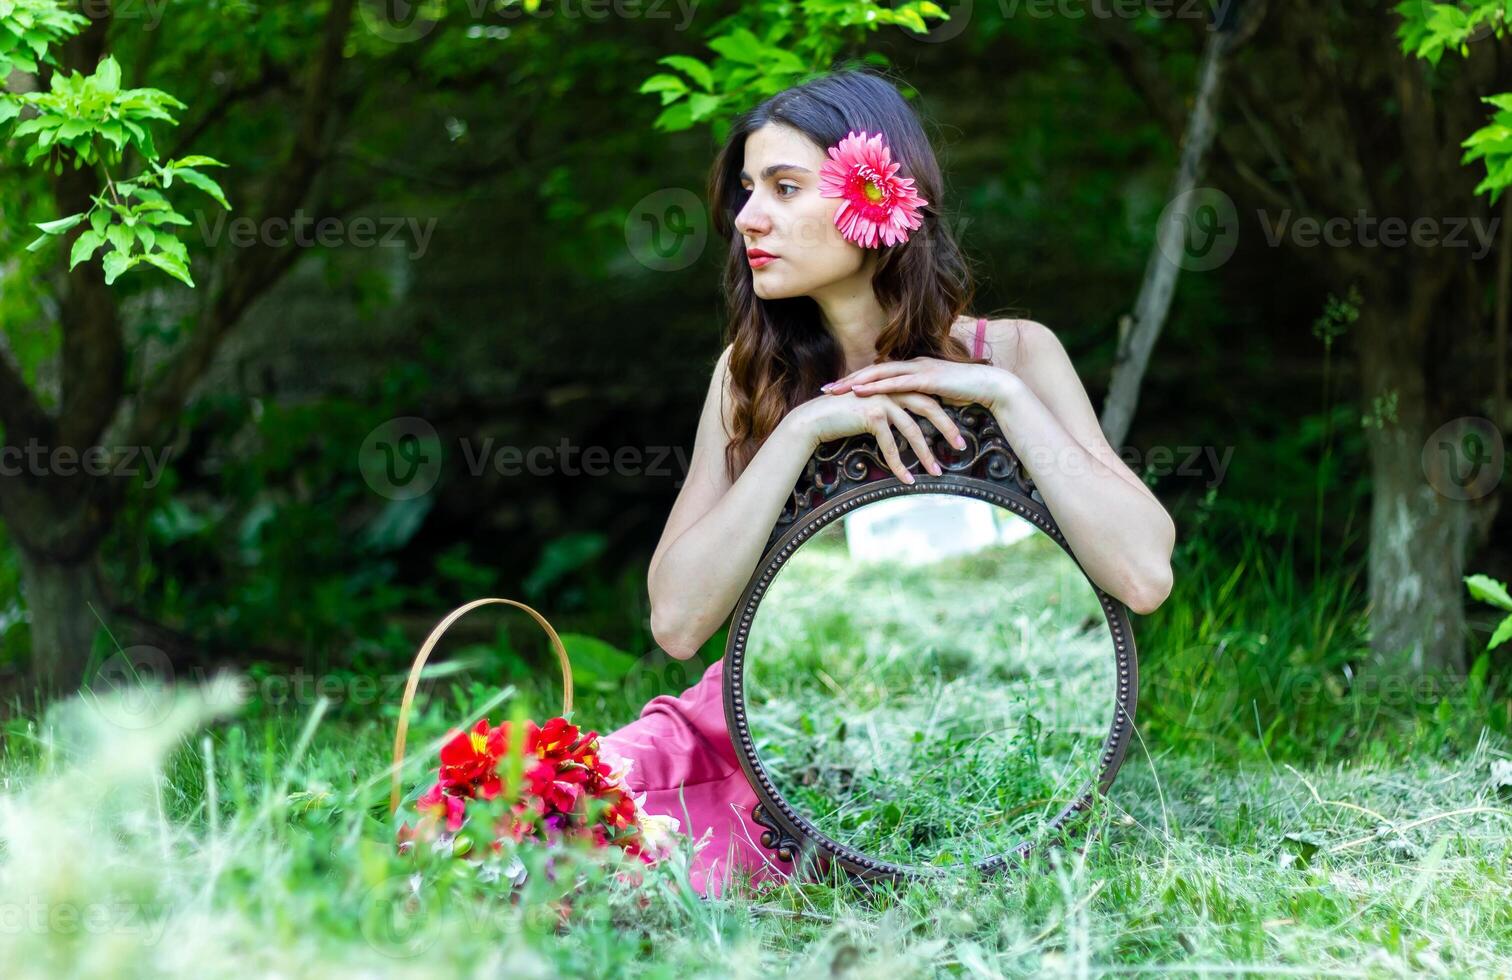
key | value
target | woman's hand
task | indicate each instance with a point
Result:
(836, 416)
(954, 382)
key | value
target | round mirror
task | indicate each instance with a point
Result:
(926, 679)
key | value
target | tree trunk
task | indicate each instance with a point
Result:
(1159, 286)
(1418, 535)
(67, 607)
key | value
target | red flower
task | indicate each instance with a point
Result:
(568, 791)
(436, 805)
(470, 760)
(554, 738)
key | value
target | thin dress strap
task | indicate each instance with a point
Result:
(976, 345)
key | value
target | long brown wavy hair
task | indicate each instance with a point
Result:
(781, 352)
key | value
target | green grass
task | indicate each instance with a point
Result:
(1345, 835)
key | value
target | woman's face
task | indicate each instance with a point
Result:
(784, 215)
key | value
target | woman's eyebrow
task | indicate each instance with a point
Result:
(775, 168)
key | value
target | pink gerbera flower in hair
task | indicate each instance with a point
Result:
(876, 206)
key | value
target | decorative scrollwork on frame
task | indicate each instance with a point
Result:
(843, 464)
(775, 838)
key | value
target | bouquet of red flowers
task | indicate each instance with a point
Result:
(519, 781)
(553, 784)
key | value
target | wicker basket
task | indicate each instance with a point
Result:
(424, 654)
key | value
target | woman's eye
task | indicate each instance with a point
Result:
(788, 187)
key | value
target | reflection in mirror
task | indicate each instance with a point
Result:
(930, 679)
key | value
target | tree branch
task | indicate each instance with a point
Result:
(93, 348)
(162, 401)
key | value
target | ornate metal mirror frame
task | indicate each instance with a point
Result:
(844, 474)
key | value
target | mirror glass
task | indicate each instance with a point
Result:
(930, 680)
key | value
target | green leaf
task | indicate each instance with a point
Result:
(692, 67)
(702, 105)
(1502, 635)
(912, 20)
(172, 246)
(9, 109)
(75, 127)
(675, 117)
(595, 661)
(206, 184)
(1487, 589)
(194, 161)
(121, 237)
(60, 225)
(740, 45)
(161, 217)
(785, 62)
(117, 263)
(663, 83)
(35, 124)
(107, 76)
(84, 246)
(171, 265)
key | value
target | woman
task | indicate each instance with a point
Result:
(847, 295)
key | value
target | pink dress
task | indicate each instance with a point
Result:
(684, 761)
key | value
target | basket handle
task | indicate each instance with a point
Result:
(424, 654)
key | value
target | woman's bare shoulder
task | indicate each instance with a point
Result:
(1004, 340)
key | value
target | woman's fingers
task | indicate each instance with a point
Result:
(915, 436)
(927, 406)
(897, 382)
(869, 373)
(883, 431)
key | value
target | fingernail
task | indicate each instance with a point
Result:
(960, 443)
(827, 387)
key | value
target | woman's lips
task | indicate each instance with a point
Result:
(757, 261)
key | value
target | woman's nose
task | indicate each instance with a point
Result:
(752, 221)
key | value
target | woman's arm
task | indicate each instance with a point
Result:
(717, 530)
(1116, 527)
